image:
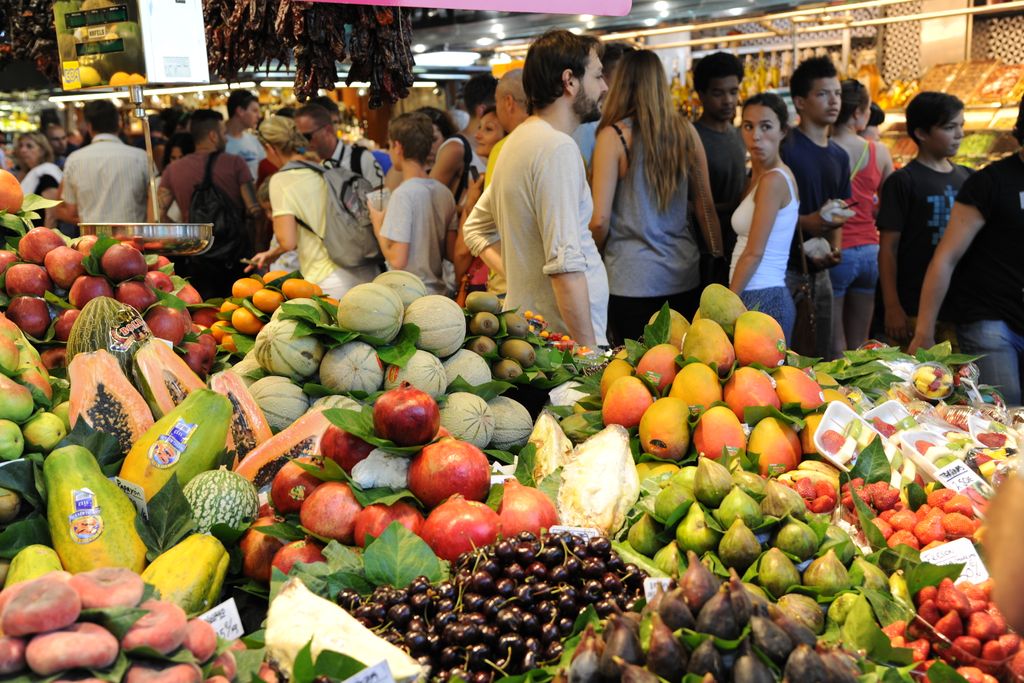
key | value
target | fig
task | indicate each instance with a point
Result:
(587, 657)
(622, 645)
(672, 502)
(694, 534)
(643, 536)
(751, 482)
(841, 666)
(805, 665)
(697, 583)
(674, 612)
(797, 539)
(750, 669)
(739, 547)
(827, 574)
(840, 541)
(840, 608)
(712, 482)
(718, 618)
(738, 504)
(771, 639)
(669, 560)
(665, 656)
(777, 573)
(684, 477)
(797, 631)
(804, 610)
(863, 573)
(780, 500)
(634, 674)
(706, 660)
(743, 606)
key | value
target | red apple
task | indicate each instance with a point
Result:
(87, 288)
(189, 295)
(209, 341)
(54, 357)
(406, 416)
(258, 550)
(168, 323)
(199, 357)
(6, 259)
(374, 519)
(297, 551)
(27, 279)
(138, 295)
(65, 321)
(158, 280)
(85, 244)
(161, 261)
(447, 467)
(37, 243)
(123, 262)
(204, 316)
(64, 265)
(292, 485)
(330, 512)
(343, 448)
(32, 315)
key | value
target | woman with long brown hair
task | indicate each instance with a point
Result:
(648, 166)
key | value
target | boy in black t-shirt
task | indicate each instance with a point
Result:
(915, 205)
(976, 270)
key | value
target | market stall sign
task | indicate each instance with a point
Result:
(605, 8)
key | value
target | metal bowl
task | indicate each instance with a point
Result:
(171, 239)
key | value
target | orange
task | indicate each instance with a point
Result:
(299, 289)
(11, 194)
(245, 287)
(267, 300)
(245, 322)
(228, 306)
(274, 275)
(228, 344)
(218, 329)
(331, 300)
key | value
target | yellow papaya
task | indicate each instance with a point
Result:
(92, 522)
(190, 574)
(184, 442)
(31, 562)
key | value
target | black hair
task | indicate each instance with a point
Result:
(440, 119)
(548, 58)
(1018, 128)
(239, 98)
(174, 118)
(182, 141)
(102, 116)
(326, 102)
(287, 112)
(613, 52)
(877, 116)
(773, 102)
(204, 122)
(929, 109)
(479, 90)
(319, 115)
(810, 70)
(854, 98)
(716, 65)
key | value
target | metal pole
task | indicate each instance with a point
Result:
(135, 94)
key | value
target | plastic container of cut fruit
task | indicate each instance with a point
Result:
(916, 443)
(932, 381)
(890, 418)
(991, 434)
(841, 422)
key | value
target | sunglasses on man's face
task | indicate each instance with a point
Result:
(310, 134)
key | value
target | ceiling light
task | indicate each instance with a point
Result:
(424, 84)
(734, 12)
(663, 14)
(497, 28)
(277, 84)
(419, 48)
(447, 59)
(500, 36)
(576, 30)
(661, 6)
(445, 77)
(586, 17)
(650, 22)
(484, 41)
(591, 24)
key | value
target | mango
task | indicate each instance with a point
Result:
(776, 444)
(698, 385)
(722, 305)
(658, 365)
(794, 386)
(811, 423)
(646, 470)
(664, 431)
(678, 327)
(718, 428)
(615, 369)
(15, 401)
(833, 395)
(707, 342)
(759, 339)
(626, 402)
(825, 379)
(749, 387)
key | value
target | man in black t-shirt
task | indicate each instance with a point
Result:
(977, 271)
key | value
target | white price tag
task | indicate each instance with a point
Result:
(225, 620)
(499, 479)
(652, 585)
(378, 673)
(959, 477)
(960, 551)
(581, 531)
(135, 493)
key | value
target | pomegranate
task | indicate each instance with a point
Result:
(447, 467)
(459, 525)
(330, 512)
(292, 485)
(343, 448)
(406, 416)
(374, 519)
(524, 508)
(258, 550)
(296, 551)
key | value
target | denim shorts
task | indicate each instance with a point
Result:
(857, 271)
(776, 302)
(1002, 355)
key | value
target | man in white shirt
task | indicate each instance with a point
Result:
(106, 181)
(315, 124)
(532, 221)
(244, 116)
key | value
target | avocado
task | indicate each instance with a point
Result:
(483, 302)
(484, 323)
(506, 369)
(483, 346)
(516, 325)
(519, 351)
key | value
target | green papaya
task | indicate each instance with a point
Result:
(184, 442)
(31, 562)
(92, 522)
(190, 574)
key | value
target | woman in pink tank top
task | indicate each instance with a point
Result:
(855, 277)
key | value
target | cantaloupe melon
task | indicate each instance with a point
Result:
(442, 324)
(468, 365)
(281, 350)
(243, 367)
(424, 371)
(407, 285)
(307, 302)
(329, 402)
(352, 367)
(373, 310)
(468, 417)
(512, 423)
(281, 401)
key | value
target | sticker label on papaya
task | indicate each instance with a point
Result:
(225, 620)
(85, 524)
(127, 333)
(135, 493)
(167, 449)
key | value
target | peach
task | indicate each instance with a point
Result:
(85, 646)
(31, 314)
(698, 385)
(664, 430)
(163, 628)
(776, 444)
(122, 262)
(64, 265)
(658, 365)
(177, 673)
(626, 402)
(12, 655)
(749, 387)
(794, 386)
(718, 428)
(37, 243)
(200, 640)
(65, 321)
(46, 604)
(108, 587)
(88, 287)
(27, 279)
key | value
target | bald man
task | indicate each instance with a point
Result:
(510, 105)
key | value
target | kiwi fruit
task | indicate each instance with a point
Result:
(506, 369)
(484, 346)
(519, 351)
(483, 302)
(516, 325)
(484, 323)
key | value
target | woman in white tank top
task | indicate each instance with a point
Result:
(766, 218)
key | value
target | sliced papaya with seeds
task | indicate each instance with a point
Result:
(302, 438)
(249, 427)
(163, 377)
(103, 397)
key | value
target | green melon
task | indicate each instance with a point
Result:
(324, 318)
(407, 285)
(468, 417)
(281, 401)
(468, 365)
(329, 402)
(373, 310)
(352, 367)
(107, 324)
(221, 497)
(424, 371)
(245, 366)
(512, 423)
(281, 350)
(442, 324)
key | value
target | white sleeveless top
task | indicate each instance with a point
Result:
(772, 270)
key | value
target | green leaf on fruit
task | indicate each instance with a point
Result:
(486, 391)
(926, 574)
(304, 312)
(861, 632)
(55, 300)
(754, 414)
(170, 520)
(634, 352)
(940, 672)
(872, 533)
(104, 447)
(360, 424)
(336, 666)
(398, 556)
(282, 531)
(169, 300)
(14, 224)
(20, 476)
(91, 263)
(402, 348)
(872, 465)
(117, 620)
(248, 664)
(31, 530)
(916, 497)
(658, 332)
(525, 463)
(243, 343)
(34, 202)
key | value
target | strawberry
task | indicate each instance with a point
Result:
(896, 628)
(928, 611)
(823, 488)
(887, 515)
(883, 427)
(929, 531)
(922, 446)
(898, 641)
(904, 520)
(978, 605)
(993, 651)
(885, 500)
(959, 503)
(903, 537)
(883, 526)
(1016, 665)
(821, 504)
(997, 617)
(986, 588)
(957, 525)
(949, 625)
(921, 647)
(968, 644)
(950, 599)
(1010, 643)
(832, 441)
(973, 591)
(848, 502)
(982, 626)
(927, 593)
(805, 487)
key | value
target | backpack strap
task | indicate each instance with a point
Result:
(467, 160)
(356, 159)
(208, 173)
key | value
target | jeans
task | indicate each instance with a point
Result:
(822, 290)
(1001, 351)
(857, 272)
(776, 302)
